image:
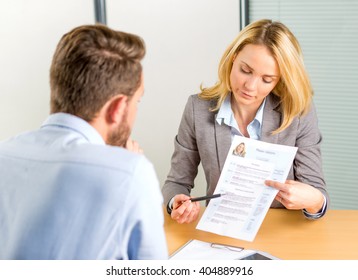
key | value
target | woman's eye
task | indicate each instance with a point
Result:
(245, 71)
(267, 81)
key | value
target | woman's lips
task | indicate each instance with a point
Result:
(247, 96)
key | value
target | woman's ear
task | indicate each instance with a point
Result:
(116, 109)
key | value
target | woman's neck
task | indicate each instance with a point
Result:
(244, 115)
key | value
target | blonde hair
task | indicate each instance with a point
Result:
(294, 88)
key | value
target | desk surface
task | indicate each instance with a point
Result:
(286, 234)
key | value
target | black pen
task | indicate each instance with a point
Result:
(207, 197)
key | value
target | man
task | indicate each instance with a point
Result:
(64, 193)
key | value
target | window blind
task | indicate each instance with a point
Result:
(328, 33)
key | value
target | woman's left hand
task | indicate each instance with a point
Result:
(297, 195)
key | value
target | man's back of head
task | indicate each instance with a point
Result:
(71, 190)
(92, 64)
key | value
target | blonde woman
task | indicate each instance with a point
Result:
(239, 150)
(264, 93)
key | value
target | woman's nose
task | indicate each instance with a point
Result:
(251, 83)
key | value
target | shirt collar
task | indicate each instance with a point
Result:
(226, 115)
(75, 123)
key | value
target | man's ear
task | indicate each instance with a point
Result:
(116, 109)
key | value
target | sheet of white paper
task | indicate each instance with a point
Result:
(200, 250)
(240, 212)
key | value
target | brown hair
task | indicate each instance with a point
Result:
(91, 64)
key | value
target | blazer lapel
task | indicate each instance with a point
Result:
(223, 142)
(271, 119)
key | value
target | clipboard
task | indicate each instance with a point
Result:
(201, 250)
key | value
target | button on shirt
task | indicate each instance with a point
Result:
(226, 116)
(64, 194)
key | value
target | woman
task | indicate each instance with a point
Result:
(263, 92)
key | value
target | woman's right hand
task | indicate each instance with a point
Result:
(185, 211)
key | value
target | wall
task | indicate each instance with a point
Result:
(184, 38)
(29, 32)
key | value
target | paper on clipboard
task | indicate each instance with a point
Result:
(201, 250)
(241, 211)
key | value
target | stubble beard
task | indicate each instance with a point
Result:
(120, 136)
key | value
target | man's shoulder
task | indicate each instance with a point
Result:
(112, 167)
(76, 153)
(106, 156)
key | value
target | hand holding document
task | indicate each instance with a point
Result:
(241, 211)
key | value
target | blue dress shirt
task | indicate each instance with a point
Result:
(65, 194)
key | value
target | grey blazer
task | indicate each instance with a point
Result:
(201, 139)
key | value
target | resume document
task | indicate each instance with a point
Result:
(245, 199)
